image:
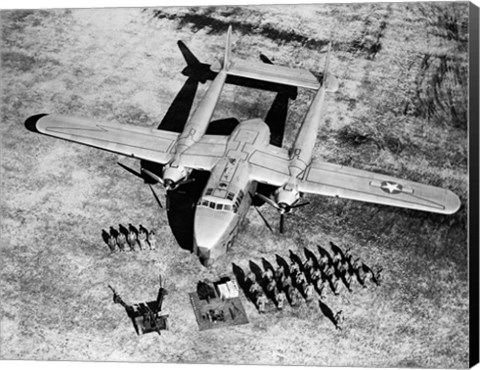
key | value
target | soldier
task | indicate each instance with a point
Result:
(308, 292)
(295, 297)
(348, 255)
(338, 320)
(329, 273)
(112, 243)
(152, 239)
(268, 275)
(254, 288)
(308, 267)
(271, 289)
(337, 253)
(294, 269)
(361, 275)
(261, 301)
(320, 287)
(299, 279)
(315, 276)
(132, 240)
(324, 261)
(121, 241)
(287, 282)
(290, 295)
(142, 238)
(279, 274)
(374, 277)
(280, 299)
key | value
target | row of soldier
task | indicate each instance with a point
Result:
(131, 239)
(296, 280)
(340, 266)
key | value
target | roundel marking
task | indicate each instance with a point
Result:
(391, 187)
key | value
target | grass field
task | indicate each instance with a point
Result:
(401, 110)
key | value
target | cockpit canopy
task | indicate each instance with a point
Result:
(221, 200)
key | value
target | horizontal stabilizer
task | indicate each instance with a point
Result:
(272, 73)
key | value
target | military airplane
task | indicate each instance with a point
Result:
(245, 159)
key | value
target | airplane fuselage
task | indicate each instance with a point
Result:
(227, 196)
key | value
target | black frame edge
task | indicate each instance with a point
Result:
(473, 237)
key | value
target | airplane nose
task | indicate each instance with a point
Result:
(211, 229)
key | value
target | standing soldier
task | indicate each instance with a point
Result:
(338, 320)
(308, 291)
(112, 243)
(315, 276)
(279, 274)
(250, 279)
(261, 302)
(280, 299)
(294, 269)
(271, 289)
(308, 267)
(152, 240)
(132, 240)
(299, 279)
(290, 295)
(268, 275)
(142, 238)
(121, 241)
(295, 297)
(254, 288)
(287, 282)
(320, 286)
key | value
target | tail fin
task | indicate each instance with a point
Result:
(329, 81)
(187, 54)
(228, 48)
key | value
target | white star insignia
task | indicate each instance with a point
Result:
(391, 187)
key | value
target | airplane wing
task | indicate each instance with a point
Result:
(344, 182)
(133, 141)
(270, 166)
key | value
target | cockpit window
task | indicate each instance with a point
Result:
(212, 205)
(219, 206)
(230, 195)
(227, 207)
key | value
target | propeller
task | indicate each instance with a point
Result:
(132, 171)
(157, 199)
(282, 208)
(152, 176)
(261, 215)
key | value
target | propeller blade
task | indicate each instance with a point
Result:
(268, 200)
(167, 201)
(281, 223)
(188, 180)
(300, 205)
(153, 176)
(155, 195)
(132, 171)
(264, 219)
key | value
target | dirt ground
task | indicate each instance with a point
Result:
(124, 65)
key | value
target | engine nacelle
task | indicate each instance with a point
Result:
(287, 195)
(173, 173)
